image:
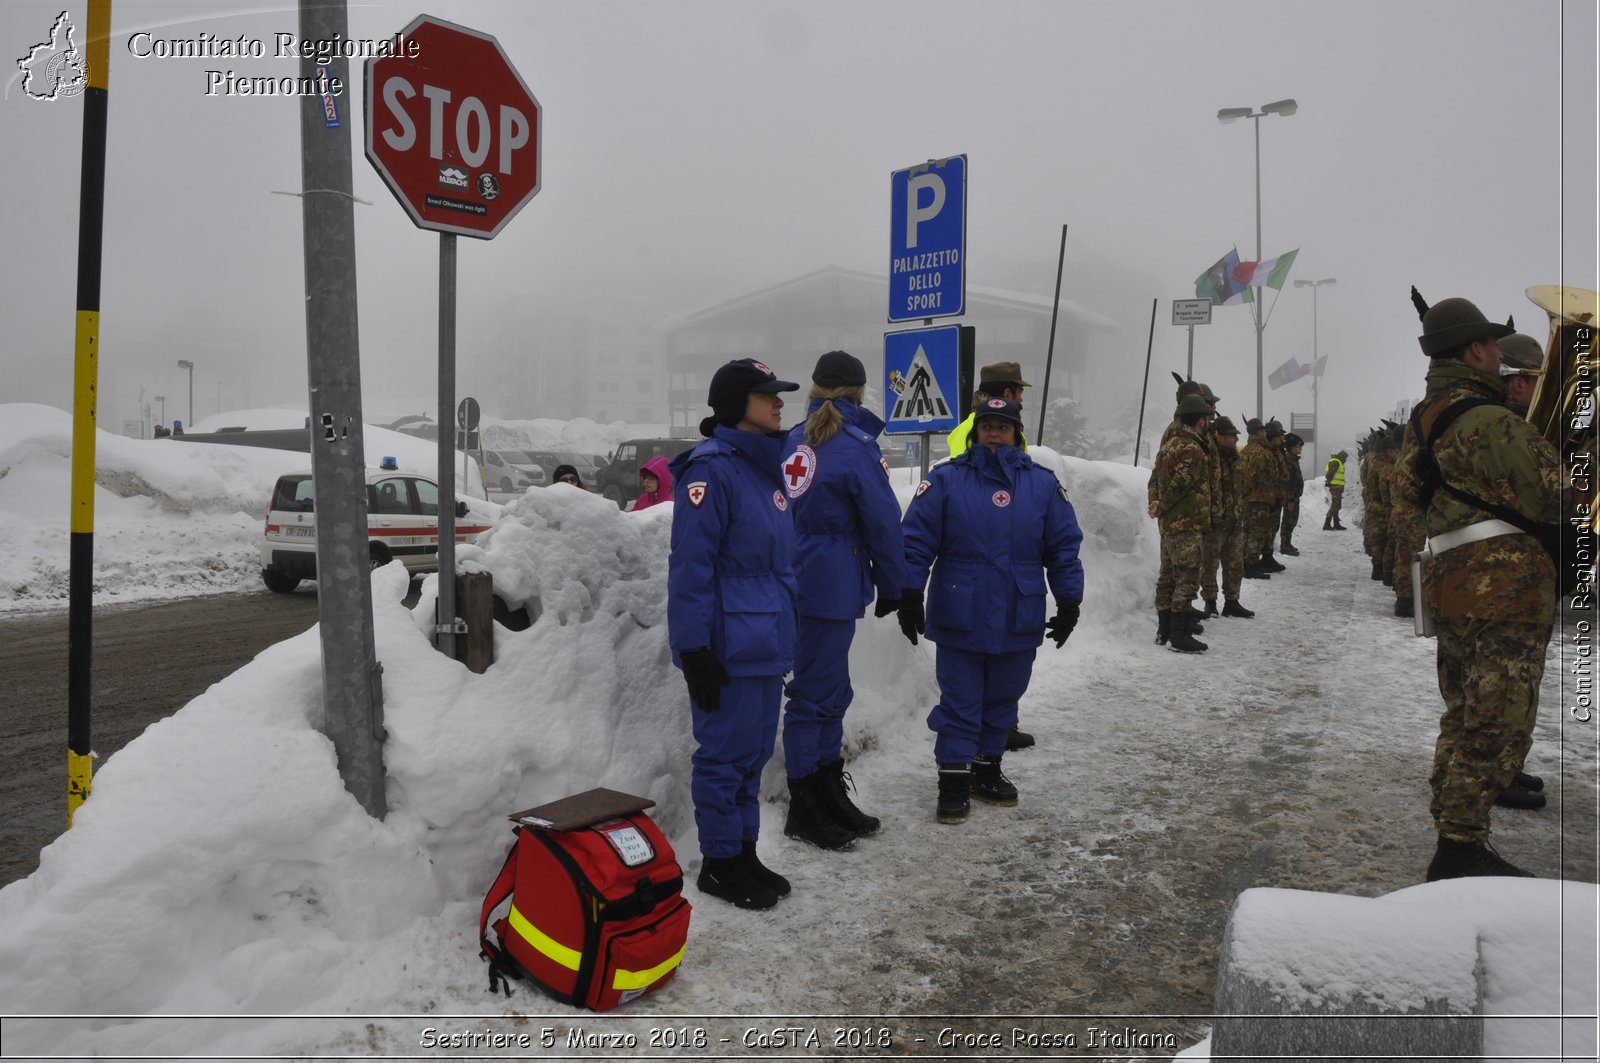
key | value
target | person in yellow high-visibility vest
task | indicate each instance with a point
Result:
(1333, 476)
(1002, 380)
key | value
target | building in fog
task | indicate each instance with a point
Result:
(788, 325)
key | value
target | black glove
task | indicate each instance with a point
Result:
(705, 677)
(913, 620)
(1058, 627)
(885, 606)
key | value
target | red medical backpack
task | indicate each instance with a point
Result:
(597, 914)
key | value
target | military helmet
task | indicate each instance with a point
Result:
(1253, 425)
(1224, 426)
(1452, 323)
(1520, 352)
(1187, 388)
(1274, 428)
(1192, 404)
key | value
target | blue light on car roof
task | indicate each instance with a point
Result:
(390, 462)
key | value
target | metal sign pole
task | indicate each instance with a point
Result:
(445, 610)
(1189, 373)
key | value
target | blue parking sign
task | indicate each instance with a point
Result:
(928, 240)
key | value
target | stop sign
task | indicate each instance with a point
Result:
(452, 129)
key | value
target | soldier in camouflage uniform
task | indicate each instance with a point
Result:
(1188, 387)
(1184, 508)
(1493, 595)
(1376, 528)
(1407, 527)
(1259, 470)
(1227, 537)
(1294, 487)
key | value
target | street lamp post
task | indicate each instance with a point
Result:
(1316, 378)
(184, 363)
(1225, 116)
(163, 400)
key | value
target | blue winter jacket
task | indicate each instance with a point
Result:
(730, 577)
(846, 518)
(992, 525)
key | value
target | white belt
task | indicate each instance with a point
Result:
(1484, 529)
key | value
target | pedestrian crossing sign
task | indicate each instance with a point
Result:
(927, 378)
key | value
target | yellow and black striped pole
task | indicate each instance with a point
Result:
(85, 390)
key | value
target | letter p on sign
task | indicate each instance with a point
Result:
(915, 211)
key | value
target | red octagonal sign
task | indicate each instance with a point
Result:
(452, 129)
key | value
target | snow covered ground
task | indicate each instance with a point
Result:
(220, 869)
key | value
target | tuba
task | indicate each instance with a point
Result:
(1563, 406)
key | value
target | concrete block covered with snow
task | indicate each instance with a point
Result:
(1315, 974)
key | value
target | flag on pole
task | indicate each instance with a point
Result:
(1217, 283)
(1268, 273)
(1322, 363)
(1287, 373)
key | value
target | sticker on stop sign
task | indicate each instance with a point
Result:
(453, 130)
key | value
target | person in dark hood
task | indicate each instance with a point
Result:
(731, 618)
(568, 474)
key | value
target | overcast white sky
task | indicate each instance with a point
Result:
(691, 147)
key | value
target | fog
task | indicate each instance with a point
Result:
(691, 148)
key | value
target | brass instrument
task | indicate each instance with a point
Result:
(1563, 406)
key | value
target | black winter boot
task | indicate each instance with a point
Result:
(1336, 525)
(1455, 859)
(1288, 548)
(808, 819)
(1017, 738)
(1232, 608)
(761, 872)
(990, 784)
(1211, 608)
(955, 788)
(1271, 564)
(1327, 523)
(728, 878)
(835, 791)
(1163, 626)
(1528, 782)
(1255, 571)
(1515, 796)
(1182, 638)
(1195, 616)
(1404, 607)
(1377, 568)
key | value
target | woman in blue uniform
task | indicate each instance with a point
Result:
(848, 547)
(731, 618)
(993, 526)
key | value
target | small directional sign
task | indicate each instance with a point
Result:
(928, 375)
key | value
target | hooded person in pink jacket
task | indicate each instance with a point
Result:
(657, 484)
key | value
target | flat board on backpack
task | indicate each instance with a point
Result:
(581, 810)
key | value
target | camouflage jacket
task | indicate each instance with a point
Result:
(1375, 489)
(1227, 502)
(1183, 478)
(1493, 454)
(1208, 439)
(1260, 473)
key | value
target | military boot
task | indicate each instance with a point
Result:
(1337, 526)
(1455, 859)
(1327, 523)
(990, 784)
(1528, 782)
(1254, 571)
(1211, 608)
(1195, 616)
(1232, 608)
(955, 789)
(1515, 796)
(728, 878)
(1271, 564)
(1404, 607)
(1163, 627)
(1183, 639)
(808, 819)
(1377, 568)
(1288, 548)
(761, 872)
(835, 792)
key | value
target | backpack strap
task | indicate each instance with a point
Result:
(1546, 534)
(498, 892)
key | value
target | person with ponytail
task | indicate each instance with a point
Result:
(848, 549)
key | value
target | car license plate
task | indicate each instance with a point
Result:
(301, 531)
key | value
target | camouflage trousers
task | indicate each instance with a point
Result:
(1405, 539)
(1224, 546)
(1375, 533)
(1335, 500)
(1291, 519)
(1258, 523)
(1489, 673)
(1182, 557)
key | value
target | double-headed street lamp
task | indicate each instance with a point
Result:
(184, 363)
(1225, 116)
(1316, 377)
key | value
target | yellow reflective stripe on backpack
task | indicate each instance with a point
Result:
(644, 979)
(543, 943)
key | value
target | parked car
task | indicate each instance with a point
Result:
(402, 525)
(504, 471)
(619, 480)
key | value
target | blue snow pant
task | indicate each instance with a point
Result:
(978, 695)
(736, 742)
(819, 692)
